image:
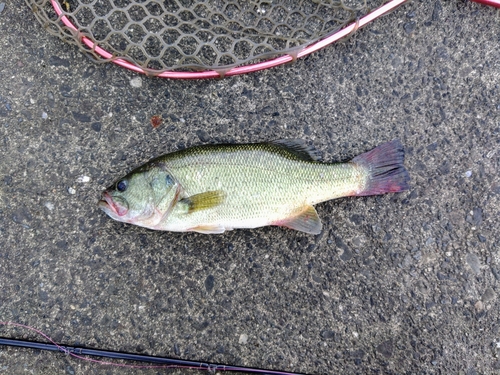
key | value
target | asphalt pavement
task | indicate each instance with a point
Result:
(395, 284)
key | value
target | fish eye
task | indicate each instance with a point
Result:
(122, 186)
(169, 180)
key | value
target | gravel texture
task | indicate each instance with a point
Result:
(396, 284)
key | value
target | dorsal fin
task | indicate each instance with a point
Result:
(299, 148)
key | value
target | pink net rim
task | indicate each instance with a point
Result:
(493, 3)
(389, 6)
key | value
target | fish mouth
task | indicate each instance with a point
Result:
(108, 205)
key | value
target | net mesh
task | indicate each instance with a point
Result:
(179, 35)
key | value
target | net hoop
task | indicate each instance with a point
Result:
(493, 3)
(286, 58)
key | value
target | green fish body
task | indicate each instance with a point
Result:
(214, 188)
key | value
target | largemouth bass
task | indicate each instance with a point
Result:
(214, 188)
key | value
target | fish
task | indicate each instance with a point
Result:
(215, 188)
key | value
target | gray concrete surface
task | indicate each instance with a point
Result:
(401, 284)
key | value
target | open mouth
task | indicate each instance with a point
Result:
(108, 205)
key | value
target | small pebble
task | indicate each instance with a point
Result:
(2, 6)
(488, 295)
(243, 339)
(468, 174)
(409, 27)
(83, 179)
(474, 263)
(71, 191)
(96, 126)
(136, 82)
(45, 115)
(479, 306)
(49, 205)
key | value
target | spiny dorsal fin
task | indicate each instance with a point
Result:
(299, 148)
(205, 200)
(307, 220)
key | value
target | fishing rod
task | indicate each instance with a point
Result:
(161, 362)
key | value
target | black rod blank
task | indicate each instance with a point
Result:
(211, 367)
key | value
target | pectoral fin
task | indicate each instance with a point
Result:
(204, 200)
(307, 220)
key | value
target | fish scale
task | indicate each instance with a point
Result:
(261, 184)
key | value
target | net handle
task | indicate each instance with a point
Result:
(386, 8)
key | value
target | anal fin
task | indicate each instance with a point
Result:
(208, 229)
(306, 220)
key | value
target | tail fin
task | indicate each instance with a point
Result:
(386, 172)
